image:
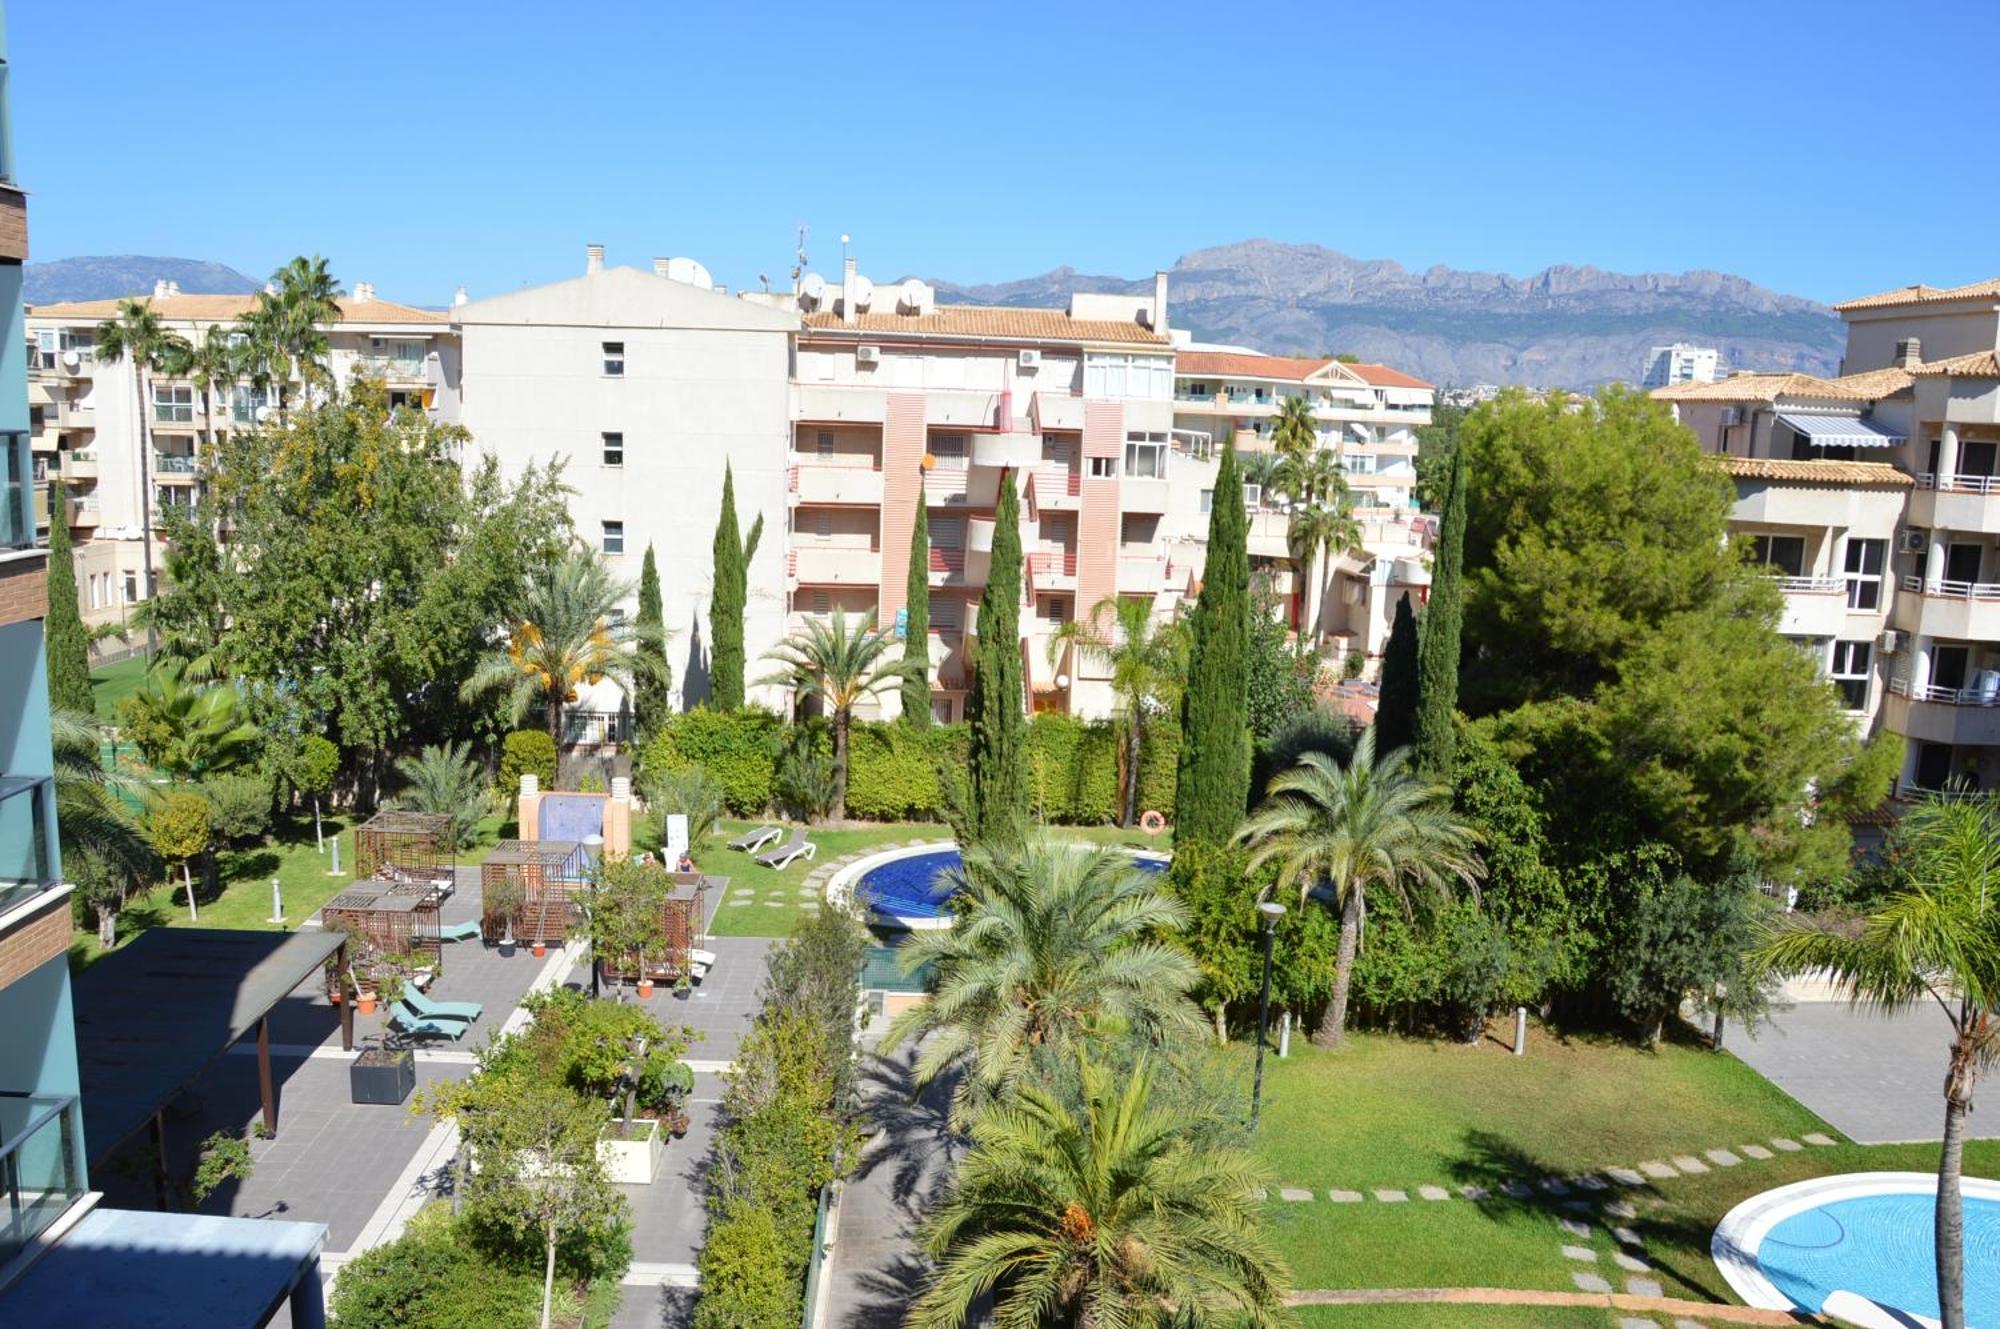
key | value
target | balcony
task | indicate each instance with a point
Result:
(1142, 574)
(955, 566)
(79, 466)
(39, 1174)
(27, 816)
(1959, 503)
(1142, 494)
(75, 414)
(1052, 570)
(174, 420)
(1814, 606)
(829, 403)
(174, 465)
(1267, 534)
(1056, 488)
(852, 485)
(1965, 716)
(1012, 450)
(1962, 610)
(835, 565)
(83, 516)
(396, 369)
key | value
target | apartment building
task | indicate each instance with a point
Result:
(645, 383)
(1873, 495)
(1680, 363)
(84, 418)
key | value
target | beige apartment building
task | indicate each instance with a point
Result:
(1874, 497)
(84, 418)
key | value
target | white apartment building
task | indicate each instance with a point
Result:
(1667, 366)
(84, 417)
(1875, 495)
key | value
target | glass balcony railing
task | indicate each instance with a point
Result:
(17, 507)
(39, 1176)
(26, 865)
(173, 463)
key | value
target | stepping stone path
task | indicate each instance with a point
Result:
(1823, 1141)
(1555, 1186)
(1789, 1146)
(1344, 1197)
(1625, 1176)
(1634, 1322)
(1723, 1158)
(1518, 1189)
(1581, 1231)
(1589, 1282)
(1657, 1170)
(1620, 1209)
(1434, 1192)
(1388, 1196)
(1294, 1195)
(1631, 1264)
(1590, 1181)
(1687, 1324)
(1644, 1287)
(1628, 1237)
(1689, 1164)
(1474, 1193)
(1756, 1151)
(1583, 1253)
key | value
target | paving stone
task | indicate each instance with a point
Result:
(1294, 1194)
(1620, 1209)
(1474, 1193)
(1628, 1237)
(1788, 1146)
(1657, 1169)
(1434, 1192)
(1630, 1263)
(1634, 1322)
(1644, 1287)
(1554, 1186)
(1577, 1206)
(1823, 1141)
(1689, 1164)
(1259, 1194)
(1344, 1197)
(1390, 1196)
(1625, 1176)
(1590, 1181)
(1588, 1282)
(1518, 1189)
(1756, 1151)
(1722, 1158)
(1581, 1231)
(1583, 1253)
(1687, 1324)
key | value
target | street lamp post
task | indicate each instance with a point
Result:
(1270, 912)
(594, 844)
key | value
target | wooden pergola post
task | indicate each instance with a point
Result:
(264, 1076)
(161, 1189)
(346, 1004)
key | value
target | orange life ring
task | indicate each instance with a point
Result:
(1152, 823)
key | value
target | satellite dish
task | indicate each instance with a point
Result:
(689, 273)
(911, 295)
(813, 290)
(71, 359)
(864, 293)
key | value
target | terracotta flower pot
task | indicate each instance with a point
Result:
(365, 1003)
(540, 950)
(645, 989)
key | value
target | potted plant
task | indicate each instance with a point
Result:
(645, 987)
(683, 986)
(382, 1074)
(504, 899)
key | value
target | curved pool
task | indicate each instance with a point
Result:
(1838, 1243)
(911, 887)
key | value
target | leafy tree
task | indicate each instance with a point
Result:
(66, 641)
(239, 804)
(188, 615)
(1144, 658)
(917, 618)
(1279, 679)
(446, 781)
(997, 786)
(1213, 784)
(1396, 713)
(105, 850)
(1935, 939)
(179, 828)
(1436, 729)
(841, 670)
(729, 599)
(1221, 931)
(1675, 938)
(135, 333)
(1369, 824)
(527, 752)
(1052, 946)
(188, 732)
(1108, 1217)
(651, 687)
(567, 635)
(313, 772)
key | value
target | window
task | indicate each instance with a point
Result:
(1103, 468)
(1850, 672)
(1358, 463)
(131, 588)
(1864, 573)
(947, 532)
(1785, 554)
(614, 449)
(614, 537)
(173, 403)
(1058, 611)
(947, 615)
(1207, 501)
(822, 602)
(822, 525)
(1146, 456)
(1150, 376)
(614, 359)
(823, 443)
(246, 403)
(949, 449)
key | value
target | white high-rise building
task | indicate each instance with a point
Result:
(1681, 363)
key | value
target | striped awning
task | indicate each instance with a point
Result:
(1841, 431)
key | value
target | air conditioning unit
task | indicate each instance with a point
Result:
(1029, 359)
(867, 355)
(1912, 541)
(1890, 641)
(1732, 416)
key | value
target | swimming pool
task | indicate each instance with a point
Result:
(1820, 1244)
(911, 887)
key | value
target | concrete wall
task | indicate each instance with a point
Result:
(1960, 330)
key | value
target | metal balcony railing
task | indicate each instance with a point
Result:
(1960, 483)
(1812, 585)
(39, 1176)
(1903, 687)
(173, 463)
(1953, 590)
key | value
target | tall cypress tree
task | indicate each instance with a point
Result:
(650, 702)
(1396, 715)
(729, 599)
(68, 644)
(1437, 651)
(1212, 789)
(917, 619)
(996, 754)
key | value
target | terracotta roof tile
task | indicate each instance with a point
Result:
(1874, 384)
(1233, 364)
(1919, 294)
(1010, 324)
(1980, 364)
(226, 308)
(1767, 388)
(1817, 472)
(1384, 377)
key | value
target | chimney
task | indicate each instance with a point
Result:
(1159, 323)
(173, 287)
(847, 275)
(1909, 353)
(364, 292)
(659, 267)
(593, 259)
(160, 291)
(459, 296)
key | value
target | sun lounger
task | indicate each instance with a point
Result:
(751, 841)
(789, 852)
(466, 931)
(705, 959)
(407, 1020)
(431, 1009)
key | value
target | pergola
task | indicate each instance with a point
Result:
(391, 919)
(153, 1016)
(686, 923)
(407, 848)
(550, 873)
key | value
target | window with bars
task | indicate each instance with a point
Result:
(949, 449)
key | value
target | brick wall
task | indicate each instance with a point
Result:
(24, 587)
(34, 942)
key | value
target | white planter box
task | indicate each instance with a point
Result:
(635, 1159)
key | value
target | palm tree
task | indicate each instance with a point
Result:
(1293, 429)
(1372, 824)
(1313, 532)
(1108, 1217)
(1053, 943)
(188, 732)
(135, 333)
(568, 633)
(104, 848)
(1143, 658)
(1258, 468)
(446, 781)
(287, 328)
(841, 669)
(1935, 938)
(213, 362)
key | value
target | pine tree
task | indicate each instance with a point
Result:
(1437, 650)
(1212, 790)
(917, 619)
(1396, 715)
(728, 600)
(68, 643)
(651, 701)
(998, 787)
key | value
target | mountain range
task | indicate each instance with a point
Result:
(1562, 327)
(106, 277)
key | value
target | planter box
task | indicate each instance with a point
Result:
(631, 1160)
(382, 1077)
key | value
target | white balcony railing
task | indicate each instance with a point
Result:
(1903, 687)
(1812, 585)
(1953, 590)
(1960, 483)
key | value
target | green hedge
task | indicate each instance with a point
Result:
(526, 752)
(893, 769)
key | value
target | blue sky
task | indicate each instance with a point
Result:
(424, 145)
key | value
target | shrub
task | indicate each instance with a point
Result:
(586, 1044)
(804, 776)
(432, 1277)
(527, 752)
(239, 804)
(689, 791)
(892, 770)
(739, 748)
(751, 1273)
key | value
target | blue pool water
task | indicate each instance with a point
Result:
(1881, 1247)
(919, 887)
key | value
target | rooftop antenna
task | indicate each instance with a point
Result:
(765, 281)
(843, 250)
(798, 268)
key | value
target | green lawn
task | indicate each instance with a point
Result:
(114, 683)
